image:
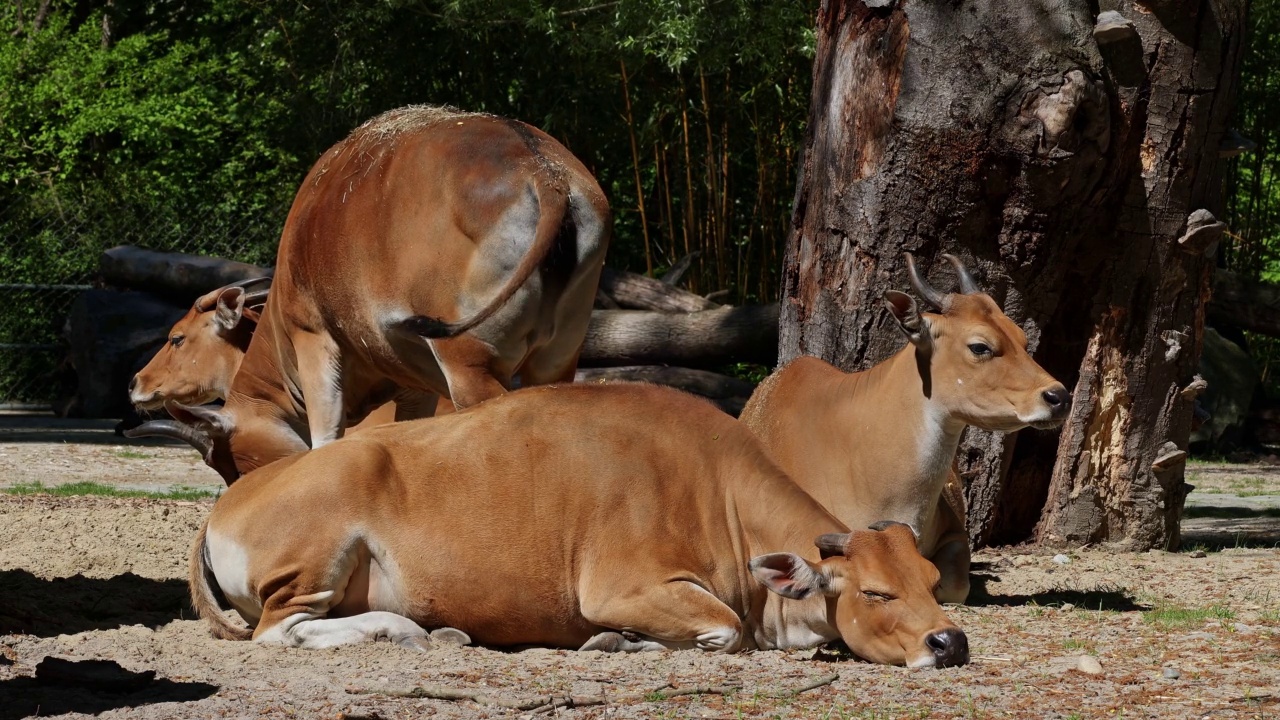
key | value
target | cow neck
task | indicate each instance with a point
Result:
(780, 517)
(262, 383)
(901, 438)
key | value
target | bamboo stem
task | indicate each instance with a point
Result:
(635, 165)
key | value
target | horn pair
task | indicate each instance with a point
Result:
(935, 299)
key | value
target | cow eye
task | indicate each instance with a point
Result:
(876, 596)
(980, 349)
(177, 340)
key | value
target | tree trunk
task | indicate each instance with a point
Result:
(1063, 172)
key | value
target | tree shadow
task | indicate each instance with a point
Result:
(36, 606)
(23, 697)
(1116, 599)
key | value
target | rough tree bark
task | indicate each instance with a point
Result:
(1062, 165)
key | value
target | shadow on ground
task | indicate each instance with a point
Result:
(23, 697)
(35, 606)
(1117, 600)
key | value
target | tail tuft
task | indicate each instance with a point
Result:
(205, 596)
(429, 327)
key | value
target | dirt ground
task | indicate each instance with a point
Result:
(103, 578)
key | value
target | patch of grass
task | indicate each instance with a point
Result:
(93, 488)
(131, 455)
(1074, 644)
(1171, 616)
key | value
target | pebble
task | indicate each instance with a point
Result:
(1172, 673)
(1196, 554)
(1089, 664)
(1200, 636)
(1061, 559)
(1242, 628)
(1068, 606)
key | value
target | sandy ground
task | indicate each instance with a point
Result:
(102, 578)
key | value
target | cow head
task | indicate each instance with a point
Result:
(232, 440)
(879, 593)
(973, 359)
(204, 349)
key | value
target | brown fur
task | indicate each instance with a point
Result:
(551, 514)
(878, 445)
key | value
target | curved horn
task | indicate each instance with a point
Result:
(175, 430)
(968, 285)
(256, 297)
(250, 282)
(832, 544)
(934, 298)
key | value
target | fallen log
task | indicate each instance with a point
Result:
(637, 292)
(112, 335)
(699, 382)
(729, 393)
(700, 339)
(176, 276)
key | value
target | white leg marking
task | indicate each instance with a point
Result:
(304, 631)
(725, 639)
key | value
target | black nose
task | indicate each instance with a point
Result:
(1058, 398)
(950, 647)
(133, 383)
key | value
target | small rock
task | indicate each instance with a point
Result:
(1196, 554)
(1068, 606)
(1061, 559)
(1089, 664)
(1172, 673)
(1200, 636)
(1242, 628)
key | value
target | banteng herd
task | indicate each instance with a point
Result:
(433, 260)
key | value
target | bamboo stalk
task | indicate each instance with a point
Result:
(635, 165)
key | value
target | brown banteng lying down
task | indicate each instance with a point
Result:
(561, 516)
(881, 444)
(433, 252)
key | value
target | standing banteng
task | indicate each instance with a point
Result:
(881, 444)
(432, 252)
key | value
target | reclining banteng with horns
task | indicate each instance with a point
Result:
(607, 517)
(881, 444)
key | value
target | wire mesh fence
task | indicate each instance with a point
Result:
(49, 251)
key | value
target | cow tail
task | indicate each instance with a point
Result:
(205, 595)
(553, 204)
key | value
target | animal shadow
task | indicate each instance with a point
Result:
(1116, 600)
(33, 605)
(90, 687)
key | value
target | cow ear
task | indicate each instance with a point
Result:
(906, 312)
(230, 309)
(790, 575)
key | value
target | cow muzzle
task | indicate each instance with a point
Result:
(950, 647)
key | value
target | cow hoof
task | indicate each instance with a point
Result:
(606, 642)
(421, 643)
(450, 636)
